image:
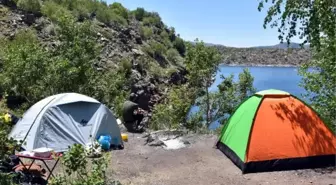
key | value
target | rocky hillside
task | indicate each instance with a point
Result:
(150, 53)
(264, 56)
(135, 39)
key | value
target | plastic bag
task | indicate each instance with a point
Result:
(93, 149)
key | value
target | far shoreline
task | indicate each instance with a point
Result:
(258, 65)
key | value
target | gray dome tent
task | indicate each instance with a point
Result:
(62, 120)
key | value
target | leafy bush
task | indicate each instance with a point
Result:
(77, 171)
(164, 36)
(172, 113)
(54, 10)
(155, 49)
(174, 56)
(24, 66)
(180, 46)
(126, 65)
(146, 32)
(81, 11)
(155, 70)
(159, 50)
(172, 35)
(32, 6)
(170, 71)
(118, 9)
(139, 13)
(33, 72)
(105, 15)
(153, 19)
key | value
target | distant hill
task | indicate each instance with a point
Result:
(276, 55)
(284, 46)
(277, 46)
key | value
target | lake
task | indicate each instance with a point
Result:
(281, 78)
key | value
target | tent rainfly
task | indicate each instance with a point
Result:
(62, 120)
(273, 130)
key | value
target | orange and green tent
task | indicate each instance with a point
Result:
(273, 130)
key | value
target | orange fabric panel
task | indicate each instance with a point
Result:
(287, 128)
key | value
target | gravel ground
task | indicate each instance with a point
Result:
(198, 163)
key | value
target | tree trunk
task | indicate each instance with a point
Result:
(208, 113)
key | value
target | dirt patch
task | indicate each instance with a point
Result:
(197, 163)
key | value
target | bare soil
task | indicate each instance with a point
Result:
(198, 163)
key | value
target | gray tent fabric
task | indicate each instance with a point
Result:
(62, 120)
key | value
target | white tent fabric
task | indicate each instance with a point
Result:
(62, 120)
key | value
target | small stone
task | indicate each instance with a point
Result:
(157, 143)
(29, 19)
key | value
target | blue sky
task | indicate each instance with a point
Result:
(235, 23)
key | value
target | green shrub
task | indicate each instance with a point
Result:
(104, 15)
(172, 113)
(81, 11)
(159, 49)
(54, 10)
(156, 70)
(139, 13)
(29, 5)
(107, 16)
(112, 89)
(164, 36)
(173, 56)
(118, 19)
(25, 56)
(126, 66)
(170, 71)
(180, 46)
(92, 5)
(153, 19)
(146, 32)
(118, 9)
(172, 35)
(3, 13)
(77, 170)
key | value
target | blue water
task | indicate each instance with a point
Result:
(281, 78)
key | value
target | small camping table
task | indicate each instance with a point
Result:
(34, 158)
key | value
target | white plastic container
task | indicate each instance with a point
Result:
(43, 152)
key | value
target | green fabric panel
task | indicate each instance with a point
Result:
(236, 132)
(272, 91)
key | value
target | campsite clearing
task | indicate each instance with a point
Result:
(198, 163)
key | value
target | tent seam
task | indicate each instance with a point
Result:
(251, 129)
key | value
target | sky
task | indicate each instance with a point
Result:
(236, 23)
